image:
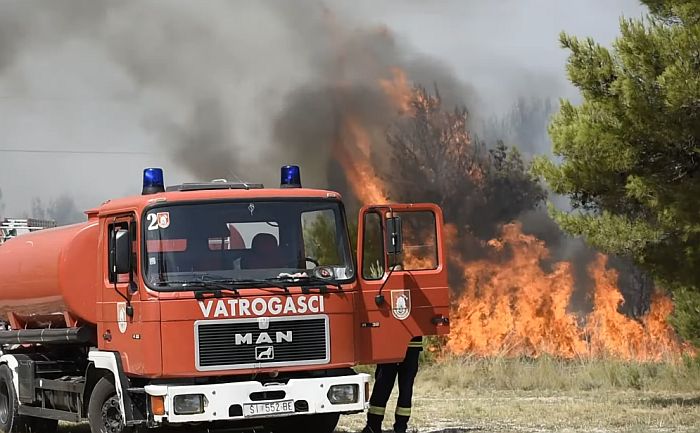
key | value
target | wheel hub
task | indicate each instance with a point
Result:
(112, 415)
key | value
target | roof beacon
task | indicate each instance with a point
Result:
(153, 181)
(291, 177)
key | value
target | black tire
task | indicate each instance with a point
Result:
(40, 425)
(317, 423)
(104, 412)
(10, 420)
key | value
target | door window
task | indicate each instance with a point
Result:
(111, 230)
(372, 247)
(420, 249)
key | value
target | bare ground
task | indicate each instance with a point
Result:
(499, 395)
(537, 411)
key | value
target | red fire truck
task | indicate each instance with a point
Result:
(217, 304)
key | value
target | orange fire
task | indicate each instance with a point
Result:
(353, 153)
(354, 144)
(511, 306)
(611, 332)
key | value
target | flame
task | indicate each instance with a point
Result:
(398, 90)
(613, 333)
(354, 145)
(353, 153)
(512, 307)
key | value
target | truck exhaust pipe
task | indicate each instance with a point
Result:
(79, 335)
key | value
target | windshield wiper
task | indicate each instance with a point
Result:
(254, 283)
(217, 287)
(202, 287)
(305, 281)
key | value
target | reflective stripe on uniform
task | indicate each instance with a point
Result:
(377, 410)
(403, 411)
(415, 344)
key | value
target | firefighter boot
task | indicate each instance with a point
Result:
(369, 429)
(374, 423)
(401, 419)
(401, 425)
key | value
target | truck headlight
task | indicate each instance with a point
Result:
(189, 404)
(343, 394)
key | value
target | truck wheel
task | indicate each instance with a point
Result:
(104, 413)
(318, 423)
(10, 420)
(40, 425)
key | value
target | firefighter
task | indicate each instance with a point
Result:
(385, 376)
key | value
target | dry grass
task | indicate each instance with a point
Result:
(552, 374)
(551, 395)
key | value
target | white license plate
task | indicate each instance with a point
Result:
(270, 408)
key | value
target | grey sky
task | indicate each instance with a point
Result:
(130, 76)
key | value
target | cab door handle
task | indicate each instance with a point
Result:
(440, 320)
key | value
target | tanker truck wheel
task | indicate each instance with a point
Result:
(104, 413)
(10, 420)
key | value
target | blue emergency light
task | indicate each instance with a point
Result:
(153, 181)
(291, 177)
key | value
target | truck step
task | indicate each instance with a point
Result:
(41, 412)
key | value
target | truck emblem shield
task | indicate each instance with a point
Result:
(401, 304)
(264, 353)
(263, 322)
(251, 208)
(163, 219)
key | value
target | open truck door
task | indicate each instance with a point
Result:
(403, 279)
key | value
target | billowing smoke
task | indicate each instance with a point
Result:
(148, 75)
(524, 126)
(205, 79)
(227, 89)
(62, 210)
(348, 88)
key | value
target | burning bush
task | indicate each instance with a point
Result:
(435, 159)
(507, 302)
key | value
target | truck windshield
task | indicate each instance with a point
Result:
(245, 241)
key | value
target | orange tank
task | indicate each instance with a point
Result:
(51, 271)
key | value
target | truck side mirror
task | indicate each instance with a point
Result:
(394, 240)
(122, 252)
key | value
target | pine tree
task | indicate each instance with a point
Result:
(629, 155)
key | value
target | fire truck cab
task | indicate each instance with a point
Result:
(222, 303)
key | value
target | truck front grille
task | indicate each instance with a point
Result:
(261, 342)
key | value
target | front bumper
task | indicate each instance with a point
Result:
(225, 400)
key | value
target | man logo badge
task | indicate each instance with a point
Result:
(264, 353)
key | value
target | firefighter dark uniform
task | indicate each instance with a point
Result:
(385, 376)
